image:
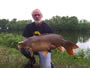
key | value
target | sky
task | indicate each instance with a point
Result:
(22, 9)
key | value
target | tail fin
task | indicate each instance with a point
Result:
(69, 46)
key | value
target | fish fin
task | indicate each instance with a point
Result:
(69, 51)
(19, 46)
(69, 46)
(44, 53)
(31, 52)
(75, 47)
(59, 48)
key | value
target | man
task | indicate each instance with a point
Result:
(36, 28)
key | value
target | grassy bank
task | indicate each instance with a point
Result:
(11, 57)
(65, 61)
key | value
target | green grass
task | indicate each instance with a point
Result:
(64, 60)
(11, 57)
(10, 40)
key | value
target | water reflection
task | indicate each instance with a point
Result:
(81, 39)
(84, 45)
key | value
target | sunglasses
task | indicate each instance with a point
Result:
(36, 15)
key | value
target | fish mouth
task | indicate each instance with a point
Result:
(20, 44)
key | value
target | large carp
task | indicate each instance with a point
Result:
(44, 43)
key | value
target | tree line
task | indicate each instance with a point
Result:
(59, 24)
(69, 24)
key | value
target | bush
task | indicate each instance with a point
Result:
(10, 40)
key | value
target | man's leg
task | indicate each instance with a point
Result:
(45, 61)
(26, 53)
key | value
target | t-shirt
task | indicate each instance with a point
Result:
(30, 29)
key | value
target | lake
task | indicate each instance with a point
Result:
(81, 39)
(84, 45)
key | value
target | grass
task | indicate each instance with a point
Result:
(63, 60)
(12, 58)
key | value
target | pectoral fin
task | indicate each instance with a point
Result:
(60, 48)
(44, 53)
(19, 46)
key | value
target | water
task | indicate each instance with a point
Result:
(84, 45)
(81, 39)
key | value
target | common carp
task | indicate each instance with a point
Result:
(45, 42)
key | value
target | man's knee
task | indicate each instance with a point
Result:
(45, 61)
(25, 52)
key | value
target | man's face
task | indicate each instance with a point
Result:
(37, 16)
